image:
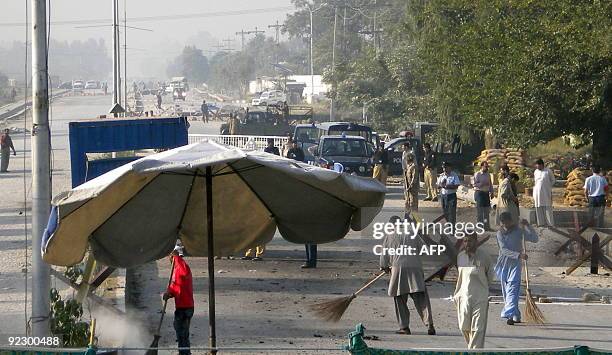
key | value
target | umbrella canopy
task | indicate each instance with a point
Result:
(134, 214)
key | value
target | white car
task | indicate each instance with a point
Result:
(92, 84)
(274, 97)
(78, 85)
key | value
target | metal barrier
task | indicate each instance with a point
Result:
(240, 141)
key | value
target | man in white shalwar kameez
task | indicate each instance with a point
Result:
(472, 292)
(407, 279)
(543, 179)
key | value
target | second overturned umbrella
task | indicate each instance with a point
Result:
(218, 200)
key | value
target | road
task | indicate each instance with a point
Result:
(264, 304)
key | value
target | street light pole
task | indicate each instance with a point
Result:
(311, 62)
(115, 69)
(332, 109)
(312, 11)
(41, 168)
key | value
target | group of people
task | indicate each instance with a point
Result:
(476, 274)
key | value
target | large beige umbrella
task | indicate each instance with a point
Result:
(134, 214)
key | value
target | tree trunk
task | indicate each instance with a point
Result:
(602, 149)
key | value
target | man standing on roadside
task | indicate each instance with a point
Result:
(429, 173)
(483, 186)
(271, 148)
(295, 153)
(544, 179)
(181, 289)
(381, 164)
(6, 144)
(411, 183)
(595, 189)
(205, 111)
(448, 183)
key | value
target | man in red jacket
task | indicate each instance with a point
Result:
(181, 289)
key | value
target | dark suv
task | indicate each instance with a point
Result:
(350, 151)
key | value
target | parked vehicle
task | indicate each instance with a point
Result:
(274, 97)
(350, 151)
(78, 85)
(179, 94)
(65, 85)
(92, 84)
(308, 135)
(395, 148)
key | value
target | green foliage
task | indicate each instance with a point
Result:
(66, 321)
(74, 272)
(191, 63)
(531, 71)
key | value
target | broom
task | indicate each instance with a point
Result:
(532, 313)
(333, 310)
(156, 336)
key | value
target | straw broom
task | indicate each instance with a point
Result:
(532, 313)
(333, 310)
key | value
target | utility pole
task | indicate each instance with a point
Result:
(118, 52)
(220, 47)
(277, 28)
(242, 33)
(115, 72)
(312, 11)
(332, 109)
(125, 92)
(228, 44)
(116, 104)
(41, 168)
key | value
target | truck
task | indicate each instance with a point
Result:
(266, 121)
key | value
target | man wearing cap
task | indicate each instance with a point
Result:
(381, 164)
(429, 174)
(411, 182)
(181, 289)
(448, 182)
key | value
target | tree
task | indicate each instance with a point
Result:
(532, 71)
(191, 63)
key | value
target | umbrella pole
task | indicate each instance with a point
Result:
(212, 340)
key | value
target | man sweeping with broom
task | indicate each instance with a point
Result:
(407, 279)
(510, 239)
(181, 289)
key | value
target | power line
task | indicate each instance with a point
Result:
(164, 17)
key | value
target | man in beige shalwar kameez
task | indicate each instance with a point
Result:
(411, 182)
(472, 292)
(507, 201)
(407, 279)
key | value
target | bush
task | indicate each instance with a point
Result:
(66, 321)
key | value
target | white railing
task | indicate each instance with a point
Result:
(240, 141)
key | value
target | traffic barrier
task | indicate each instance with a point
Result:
(244, 142)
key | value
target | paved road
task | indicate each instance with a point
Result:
(262, 304)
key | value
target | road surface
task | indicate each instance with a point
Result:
(264, 304)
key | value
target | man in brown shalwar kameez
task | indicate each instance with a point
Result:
(407, 279)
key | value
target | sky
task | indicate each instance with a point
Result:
(149, 52)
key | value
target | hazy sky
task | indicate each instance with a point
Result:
(151, 50)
